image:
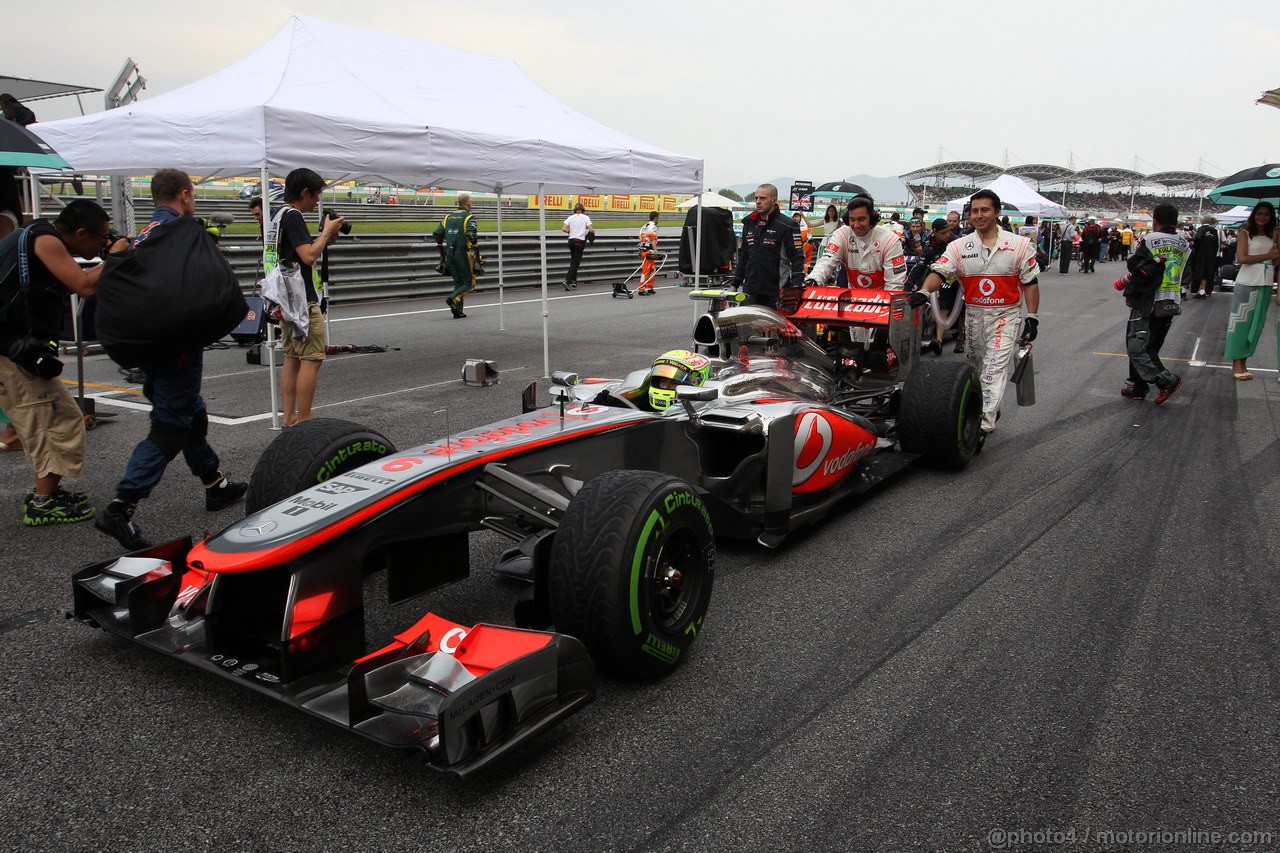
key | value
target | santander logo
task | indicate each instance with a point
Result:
(813, 440)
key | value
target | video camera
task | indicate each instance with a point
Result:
(344, 228)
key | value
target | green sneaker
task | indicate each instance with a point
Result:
(56, 509)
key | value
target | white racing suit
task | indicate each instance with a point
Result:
(992, 281)
(873, 262)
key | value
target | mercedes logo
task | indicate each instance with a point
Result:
(262, 528)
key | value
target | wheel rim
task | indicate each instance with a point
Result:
(676, 582)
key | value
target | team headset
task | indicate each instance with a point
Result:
(875, 214)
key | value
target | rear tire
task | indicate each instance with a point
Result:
(631, 569)
(310, 453)
(941, 414)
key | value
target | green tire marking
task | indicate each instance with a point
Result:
(636, 562)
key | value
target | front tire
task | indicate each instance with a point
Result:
(631, 569)
(941, 414)
(310, 453)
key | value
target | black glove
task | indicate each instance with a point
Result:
(1030, 327)
(917, 298)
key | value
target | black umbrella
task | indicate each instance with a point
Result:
(1260, 183)
(840, 189)
(21, 147)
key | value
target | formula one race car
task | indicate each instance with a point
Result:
(611, 508)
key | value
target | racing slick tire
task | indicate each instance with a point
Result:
(941, 414)
(310, 453)
(631, 569)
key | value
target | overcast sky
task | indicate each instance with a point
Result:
(760, 90)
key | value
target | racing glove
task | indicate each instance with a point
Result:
(1030, 328)
(917, 298)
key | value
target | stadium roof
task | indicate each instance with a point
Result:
(965, 168)
(1060, 174)
(1041, 172)
(1183, 179)
(1111, 175)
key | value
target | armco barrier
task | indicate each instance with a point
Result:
(391, 266)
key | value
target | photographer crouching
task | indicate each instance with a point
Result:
(45, 416)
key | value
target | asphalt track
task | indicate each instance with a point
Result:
(1077, 635)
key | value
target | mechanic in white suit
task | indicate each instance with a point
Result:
(870, 253)
(997, 271)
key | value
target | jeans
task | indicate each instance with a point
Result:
(179, 422)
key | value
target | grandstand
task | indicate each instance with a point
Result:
(1107, 191)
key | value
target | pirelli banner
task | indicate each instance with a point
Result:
(642, 203)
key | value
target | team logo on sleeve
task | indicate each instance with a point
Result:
(832, 247)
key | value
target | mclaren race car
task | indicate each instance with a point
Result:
(611, 508)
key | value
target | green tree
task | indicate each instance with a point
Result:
(729, 194)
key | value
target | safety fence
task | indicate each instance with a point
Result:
(394, 266)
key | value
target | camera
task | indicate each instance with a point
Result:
(36, 356)
(344, 228)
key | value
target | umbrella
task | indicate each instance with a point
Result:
(1260, 183)
(840, 189)
(21, 147)
(710, 199)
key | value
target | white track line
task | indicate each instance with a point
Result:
(218, 419)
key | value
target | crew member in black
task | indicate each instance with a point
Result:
(767, 238)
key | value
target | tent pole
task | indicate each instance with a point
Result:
(502, 323)
(542, 244)
(697, 243)
(271, 328)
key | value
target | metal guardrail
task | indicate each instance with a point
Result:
(384, 267)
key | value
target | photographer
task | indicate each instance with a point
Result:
(43, 413)
(179, 419)
(291, 243)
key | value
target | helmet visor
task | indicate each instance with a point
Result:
(668, 376)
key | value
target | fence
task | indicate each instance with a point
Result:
(394, 266)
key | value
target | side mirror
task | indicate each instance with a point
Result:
(529, 398)
(693, 393)
(564, 378)
(689, 394)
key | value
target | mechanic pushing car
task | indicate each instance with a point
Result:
(870, 252)
(997, 272)
(671, 370)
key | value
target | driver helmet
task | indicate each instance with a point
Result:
(673, 369)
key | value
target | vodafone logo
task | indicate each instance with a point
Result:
(865, 280)
(450, 641)
(813, 441)
(986, 287)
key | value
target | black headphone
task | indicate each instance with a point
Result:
(871, 204)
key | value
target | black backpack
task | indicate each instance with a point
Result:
(172, 291)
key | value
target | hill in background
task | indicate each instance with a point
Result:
(889, 191)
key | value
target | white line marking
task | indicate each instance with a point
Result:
(535, 301)
(1195, 349)
(218, 419)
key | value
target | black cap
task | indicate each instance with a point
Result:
(940, 225)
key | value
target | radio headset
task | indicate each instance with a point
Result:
(875, 214)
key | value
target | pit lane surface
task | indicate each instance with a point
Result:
(1076, 634)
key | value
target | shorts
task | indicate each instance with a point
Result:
(46, 418)
(312, 349)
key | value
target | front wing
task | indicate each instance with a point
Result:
(460, 696)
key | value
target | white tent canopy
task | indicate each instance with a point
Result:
(1235, 215)
(1017, 194)
(396, 110)
(710, 199)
